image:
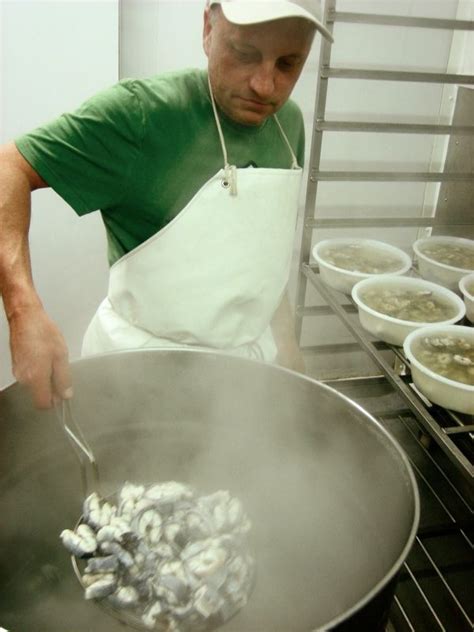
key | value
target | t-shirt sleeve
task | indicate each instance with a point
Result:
(88, 156)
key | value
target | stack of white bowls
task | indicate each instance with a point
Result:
(438, 388)
(446, 265)
(394, 330)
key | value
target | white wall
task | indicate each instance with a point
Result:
(55, 54)
(160, 35)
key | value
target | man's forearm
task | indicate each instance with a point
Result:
(38, 350)
(16, 283)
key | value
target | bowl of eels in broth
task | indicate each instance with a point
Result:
(442, 365)
(444, 260)
(391, 307)
(466, 285)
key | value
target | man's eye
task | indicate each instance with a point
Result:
(288, 64)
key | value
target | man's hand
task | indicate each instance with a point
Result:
(39, 356)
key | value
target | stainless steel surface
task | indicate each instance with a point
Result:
(399, 20)
(314, 161)
(391, 128)
(459, 429)
(88, 466)
(397, 75)
(322, 310)
(312, 469)
(389, 176)
(387, 222)
(456, 200)
(339, 347)
(419, 407)
(435, 587)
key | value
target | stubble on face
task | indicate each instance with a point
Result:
(253, 68)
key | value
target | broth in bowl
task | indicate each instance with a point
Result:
(447, 355)
(450, 254)
(410, 305)
(360, 257)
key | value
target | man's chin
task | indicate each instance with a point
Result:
(247, 117)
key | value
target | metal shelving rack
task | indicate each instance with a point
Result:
(322, 126)
(435, 585)
(444, 435)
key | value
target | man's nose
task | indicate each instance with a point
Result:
(262, 81)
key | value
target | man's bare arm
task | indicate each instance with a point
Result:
(39, 352)
(283, 329)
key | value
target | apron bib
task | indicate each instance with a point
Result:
(214, 276)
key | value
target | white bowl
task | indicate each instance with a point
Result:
(436, 271)
(344, 279)
(438, 388)
(394, 330)
(466, 285)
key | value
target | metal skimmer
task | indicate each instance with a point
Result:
(133, 549)
(88, 464)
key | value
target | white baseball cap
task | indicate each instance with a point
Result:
(255, 11)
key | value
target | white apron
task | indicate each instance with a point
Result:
(214, 276)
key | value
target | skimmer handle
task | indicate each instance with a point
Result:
(87, 461)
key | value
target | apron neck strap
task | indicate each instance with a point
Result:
(230, 171)
(218, 124)
(227, 166)
(294, 161)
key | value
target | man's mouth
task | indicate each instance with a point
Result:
(257, 105)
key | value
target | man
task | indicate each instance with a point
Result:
(197, 180)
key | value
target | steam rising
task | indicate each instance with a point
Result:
(311, 471)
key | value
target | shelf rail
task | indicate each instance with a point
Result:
(398, 20)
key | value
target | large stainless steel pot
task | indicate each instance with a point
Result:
(332, 497)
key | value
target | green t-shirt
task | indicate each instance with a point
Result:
(140, 150)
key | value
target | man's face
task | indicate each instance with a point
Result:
(253, 68)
